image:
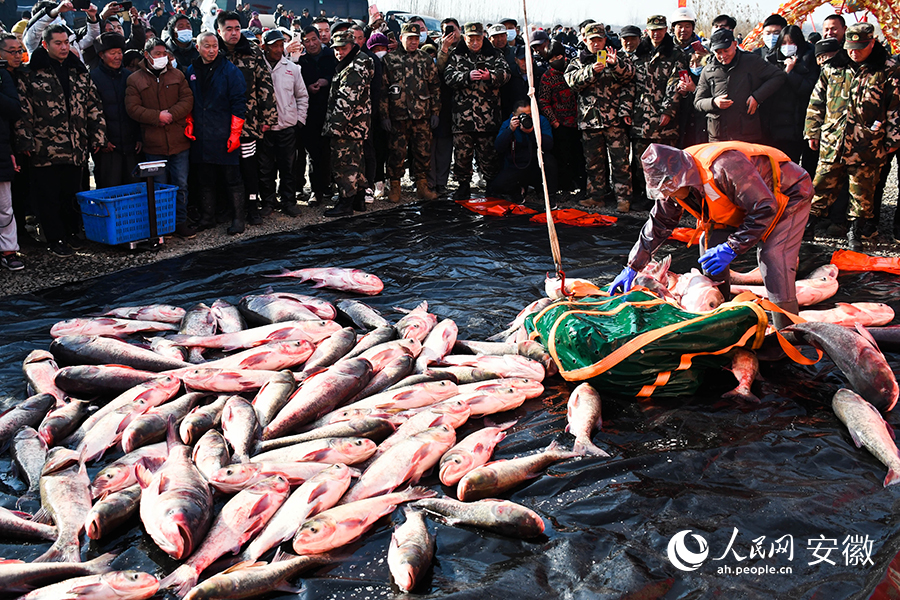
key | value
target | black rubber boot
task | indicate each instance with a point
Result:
(237, 202)
(343, 208)
(254, 212)
(207, 210)
(359, 201)
(809, 233)
(463, 192)
(854, 238)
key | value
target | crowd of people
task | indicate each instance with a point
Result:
(245, 116)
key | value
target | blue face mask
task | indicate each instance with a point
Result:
(185, 35)
(510, 35)
(696, 70)
(770, 40)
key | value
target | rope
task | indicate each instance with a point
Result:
(536, 118)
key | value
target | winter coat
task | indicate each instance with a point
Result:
(854, 110)
(10, 110)
(55, 131)
(604, 98)
(785, 110)
(313, 68)
(518, 148)
(656, 77)
(147, 95)
(411, 86)
(746, 75)
(476, 104)
(213, 109)
(261, 108)
(349, 109)
(122, 131)
(291, 96)
(184, 57)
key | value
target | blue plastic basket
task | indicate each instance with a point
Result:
(118, 215)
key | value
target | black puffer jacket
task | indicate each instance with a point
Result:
(10, 110)
(121, 130)
(785, 111)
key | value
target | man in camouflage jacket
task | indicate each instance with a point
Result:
(475, 71)
(410, 109)
(657, 64)
(262, 111)
(62, 121)
(347, 121)
(853, 120)
(605, 97)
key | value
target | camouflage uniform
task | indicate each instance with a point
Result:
(412, 95)
(348, 119)
(604, 100)
(476, 106)
(655, 84)
(261, 107)
(853, 112)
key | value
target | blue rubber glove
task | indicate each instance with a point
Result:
(715, 260)
(624, 280)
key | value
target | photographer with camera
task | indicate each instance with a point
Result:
(517, 144)
(50, 13)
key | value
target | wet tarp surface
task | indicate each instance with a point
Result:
(771, 476)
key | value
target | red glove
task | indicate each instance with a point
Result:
(189, 127)
(234, 140)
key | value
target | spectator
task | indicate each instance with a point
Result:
(159, 20)
(517, 144)
(261, 112)
(558, 104)
(785, 111)
(8, 15)
(12, 51)
(51, 15)
(347, 122)
(254, 20)
(410, 110)
(476, 72)
(114, 163)
(731, 87)
(243, 14)
(605, 98)
(159, 98)
(377, 45)
(278, 145)
(10, 110)
(215, 125)
(281, 17)
(692, 129)
(660, 81)
(723, 22)
(324, 28)
(305, 19)
(196, 22)
(442, 137)
(181, 42)
(62, 121)
(317, 67)
(853, 144)
(771, 31)
(631, 38)
(370, 157)
(835, 27)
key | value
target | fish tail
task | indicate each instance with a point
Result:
(891, 478)
(102, 564)
(742, 394)
(588, 448)
(61, 552)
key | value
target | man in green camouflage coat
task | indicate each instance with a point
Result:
(262, 110)
(62, 121)
(475, 72)
(410, 107)
(657, 64)
(347, 121)
(605, 97)
(854, 122)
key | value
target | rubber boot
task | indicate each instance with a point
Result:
(207, 209)
(394, 192)
(343, 208)
(809, 232)
(238, 203)
(422, 191)
(254, 211)
(463, 192)
(359, 201)
(781, 321)
(854, 238)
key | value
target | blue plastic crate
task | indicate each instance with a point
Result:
(118, 215)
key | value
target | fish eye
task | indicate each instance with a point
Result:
(229, 471)
(314, 529)
(134, 577)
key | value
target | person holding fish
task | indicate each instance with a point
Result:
(742, 196)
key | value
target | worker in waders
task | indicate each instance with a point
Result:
(742, 195)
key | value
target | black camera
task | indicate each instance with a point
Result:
(525, 121)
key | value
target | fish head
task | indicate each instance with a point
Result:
(454, 465)
(354, 449)
(315, 535)
(404, 574)
(881, 384)
(111, 478)
(480, 482)
(235, 477)
(366, 282)
(527, 521)
(92, 526)
(177, 537)
(530, 387)
(131, 584)
(702, 298)
(337, 472)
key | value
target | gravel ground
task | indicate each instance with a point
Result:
(43, 270)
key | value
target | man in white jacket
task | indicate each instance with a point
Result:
(47, 16)
(277, 149)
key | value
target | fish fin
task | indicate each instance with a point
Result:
(890, 429)
(42, 516)
(244, 564)
(102, 564)
(143, 474)
(172, 439)
(586, 448)
(284, 586)
(317, 491)
(868, 336)
(855, 438)
(355, 473)
(320, 284)
(891, 478)
(86, 589)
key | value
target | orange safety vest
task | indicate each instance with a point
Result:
(717, 211)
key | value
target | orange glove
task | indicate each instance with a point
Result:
(189, 127)
(234, 140)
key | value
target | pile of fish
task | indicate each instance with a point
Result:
(305, 433)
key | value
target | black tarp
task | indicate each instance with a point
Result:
(784, 467)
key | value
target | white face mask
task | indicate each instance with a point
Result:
(510, 35)
(159, 63)
(770, 40)
(423, 37)
(185, 35)
(381, 53)
(788, 49)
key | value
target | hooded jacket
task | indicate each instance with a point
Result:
(291, 95)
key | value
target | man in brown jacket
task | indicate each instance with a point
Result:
(160, 99)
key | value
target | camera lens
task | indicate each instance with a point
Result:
(525, 121)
